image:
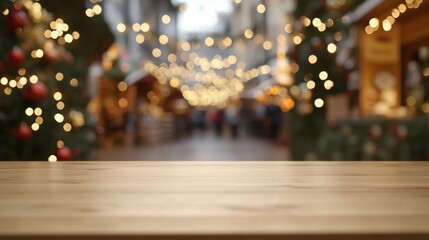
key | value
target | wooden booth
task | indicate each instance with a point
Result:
(391, 33)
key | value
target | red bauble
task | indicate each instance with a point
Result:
(16, 56)
(64, 154)
(36, 92)
(16, 19)
(23, 133)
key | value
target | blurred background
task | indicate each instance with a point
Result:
(214, 80)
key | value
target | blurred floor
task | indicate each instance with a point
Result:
(200, 148)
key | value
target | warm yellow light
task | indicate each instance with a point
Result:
(312, 59)
(319, 103)
(75, 35)
(323, 75)
(121, 27)
(248, 33)
(297, 40)
(67, 127)
(58, 96)
(163, 39)
(29, 111)
(395, 13)
(166, 19)
(4, 81)
(232, 59)
(369, 30)
(209, 41)
(60, 144)
(89, 12)
(328, 84)
(59, 117)
(332, 48)
(186, 46)
(97, 9)
(60, 105)
(123, 102)
(39, 53)
(305, 21)
(59, 76)
(22, 80)
(38, 111)
(174, 82)
(387, 26)
(311, 84)
(374, 22)
(35, 126)
(74, 82)
(52, 158)
(288, 28)
(12, 83)
(156, 52)
(136, 27)
(321, 27)
(39, 120)
(172, 58)
(68, 38)
(140, 38)
(267, 45)
(7, 91)
(145, 27)
(122, 86)
(402, 8)
(237, 1)
(316, 22)
(260, 8)
(227, 41)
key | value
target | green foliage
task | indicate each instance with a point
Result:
(307, 128)
(72, 61)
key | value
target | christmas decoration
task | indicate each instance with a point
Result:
(16, 56)
(36, 92)
(316, 35)
(23, 132)
(43, 79)
(16, 19)
(64, 154)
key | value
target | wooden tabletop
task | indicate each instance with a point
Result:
(214, 200)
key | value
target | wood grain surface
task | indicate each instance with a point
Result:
(214, 200)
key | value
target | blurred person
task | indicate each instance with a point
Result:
(217, 119)
(274, 115)
(258, 115)
(232, 118)
(199, 120)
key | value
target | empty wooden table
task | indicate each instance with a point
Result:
(214, 200)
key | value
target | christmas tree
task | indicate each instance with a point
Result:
(317, 32)
(43, 95)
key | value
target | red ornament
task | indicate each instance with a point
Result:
(375, 131)
(23, 132)
(36, 92)
(64, 154)
(16, 56)
(16, 19)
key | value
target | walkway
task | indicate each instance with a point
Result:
(200, 148)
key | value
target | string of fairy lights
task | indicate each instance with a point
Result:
(387, 23)
(203, 81)
(203, 84)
